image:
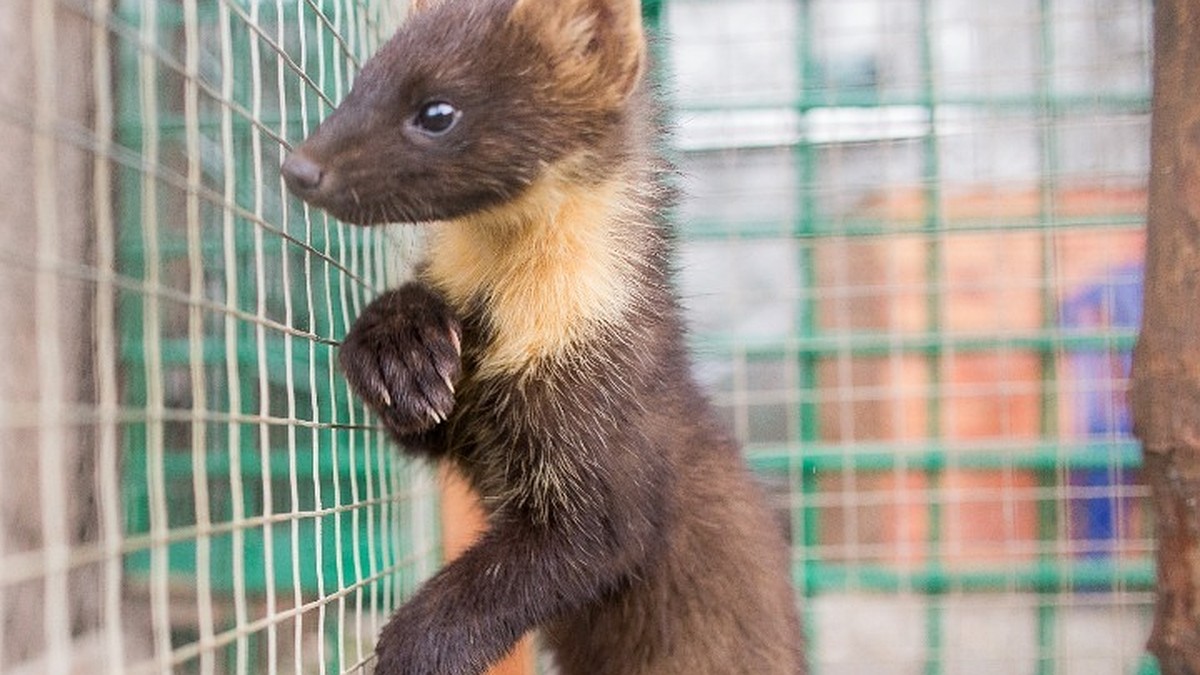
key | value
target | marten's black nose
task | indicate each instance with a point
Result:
(301, 174)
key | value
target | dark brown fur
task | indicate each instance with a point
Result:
(623, 521)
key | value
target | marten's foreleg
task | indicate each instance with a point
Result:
(520, 575)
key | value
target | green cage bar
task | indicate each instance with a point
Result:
(1050, 107)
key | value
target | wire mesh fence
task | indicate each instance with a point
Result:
(911, 251)
(187, 484)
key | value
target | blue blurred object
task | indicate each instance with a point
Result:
(1112, 304)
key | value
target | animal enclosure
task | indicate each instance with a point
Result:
(913, 244)
(189, 486)
(910, 246)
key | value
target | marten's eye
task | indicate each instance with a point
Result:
(436, 118)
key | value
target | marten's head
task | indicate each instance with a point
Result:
(469, 104)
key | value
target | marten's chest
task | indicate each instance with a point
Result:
(546, 273)
(506, 434)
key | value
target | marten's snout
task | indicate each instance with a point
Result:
(302, 175)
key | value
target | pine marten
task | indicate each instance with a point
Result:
(541, 351)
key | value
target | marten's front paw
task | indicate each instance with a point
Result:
(403, 357)
(418, 642)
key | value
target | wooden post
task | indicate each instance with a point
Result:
(462, 523)
(1166, 371)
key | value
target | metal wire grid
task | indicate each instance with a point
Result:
(847, 198)
(912, 253)
(189, 488)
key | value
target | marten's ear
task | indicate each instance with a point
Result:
(599, 43)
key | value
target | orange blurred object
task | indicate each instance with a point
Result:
(462, 523)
